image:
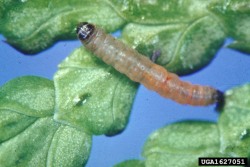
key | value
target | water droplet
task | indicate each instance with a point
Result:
(245, 134)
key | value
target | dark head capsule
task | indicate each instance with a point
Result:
(84, 30)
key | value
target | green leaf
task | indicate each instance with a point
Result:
(69, 148)
(32, 26)
(13, 123)
(131, 163)
(184, 48)
(3, 6)
(91, 95)
(160, 11)
(27, 140)
(29, 95)
(46, 143)
(234, 122)
(181, 144)
(242, 46)
(29, 148)
(235, 14)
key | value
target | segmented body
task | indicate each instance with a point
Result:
(140, 69)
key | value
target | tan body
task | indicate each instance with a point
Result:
(140, 69)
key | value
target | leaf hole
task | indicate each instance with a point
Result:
(80, 100)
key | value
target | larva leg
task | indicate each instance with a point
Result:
(156, 54)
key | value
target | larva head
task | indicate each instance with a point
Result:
(84, 30)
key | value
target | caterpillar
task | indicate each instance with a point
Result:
(140, 69)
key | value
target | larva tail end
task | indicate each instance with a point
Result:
(220, 102)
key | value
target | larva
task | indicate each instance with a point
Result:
(140, 69)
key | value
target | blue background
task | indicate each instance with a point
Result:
(150, 111)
